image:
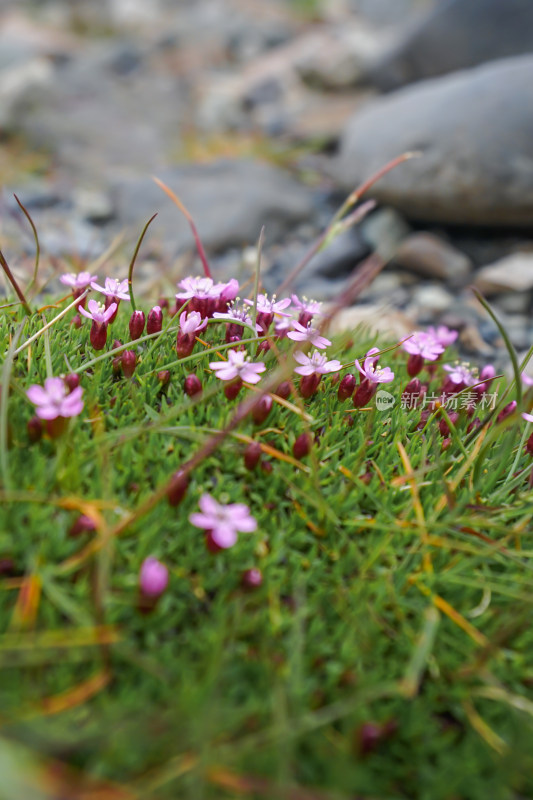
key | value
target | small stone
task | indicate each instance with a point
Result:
(430, 256)
(512, 274)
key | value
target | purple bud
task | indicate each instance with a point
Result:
(192, 385)
(109, 302)
(444, 428)
(262, 409)
(137, 321)
(153, 577)
(346, 387)
(71, 381)
(83, 524)
(507, 411)
(232, 389)
(369, 736)
(76, 321)
(116, 365)
(177, 489)
(155, 320)
(184, 344)
(309, 384)
(302, 446)
(252, 455)
(415, 364)
(252, 578)
(363, 393)
(284, 390)
(529, 445)
(414, 386)
(98, 335)
(163, 376)
(128, 362)
(264, 347)
(473, 425)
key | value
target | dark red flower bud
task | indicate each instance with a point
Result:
(155, 320)
(163, 376)
(7, 566)
(252, 578)
(137, 321)
(71, 381)
(363, 393)
(252, 454)
(264, 347)
(473, 425)
(83, 524)
(234, 332)
(346, 387)
(128, 362)
(98, 335)
(264, 320)
(109, 300)
(444, 428)
(446, 443)
(369, 736)
(184, 344)
(192, 385)
(415, 364)
(262, 409)
(284, 390)
(232, 389)
(116, 365)
(116, 343)
(302, 446)
(507, 411)
(529, 445)
(35, 429)
(267, 467)
(414, 386)
(76, 321)
(309, 384)
(163, 303)
(178, 487)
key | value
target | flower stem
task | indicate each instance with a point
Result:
(14, 284)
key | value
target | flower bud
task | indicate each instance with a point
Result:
(116, 365)
(71, 381)
(507, 411)
(415, 364)
(529, 445)
(184, 344)
(137, 321)
(232, 388)
(128, 362)
(163, 303)
(363, 393)
(309, 384)
(76, 321)
(34, 427)
(346, 387)
(252, 578)
(153, 580)
(264, 347)
(109, 300)
(83, 524)
(163, 376)
(116, 343)
(414, 386)
(302, 446)
(444, 428)
(177, 489)
(155, 320)
(284, 390)
(262, 409)
(192, 385)
(98, 335)
(476, 423)
(252, 455)
(7, 566)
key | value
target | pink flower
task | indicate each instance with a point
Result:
(317, 363)
(54, 399)
(527, 417)
(423, 344)
(238, 366)
(309, 306)
(461, 374)
(78, 282)
(236, 314)
(202, 288)
(372, 373)
(308, 334)
(113, 288)
(526, 379)
(443, 335)
(153, 577)
(222, 522)
(265, 305)
(97, 313)
(192, 323)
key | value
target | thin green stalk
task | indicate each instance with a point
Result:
(258, 273)
(14, 284)
(37, 245)
(134, 258)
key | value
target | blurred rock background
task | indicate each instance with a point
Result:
(269, 114)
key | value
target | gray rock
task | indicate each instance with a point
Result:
(511, 274)
(431, 257)
(389, 12)
(229, 200)
(429, 300)
(384, 230)
(474, 131)
(455, 35)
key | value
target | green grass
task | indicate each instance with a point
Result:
(396, 587)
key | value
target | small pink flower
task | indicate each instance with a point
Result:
(236, 314)
(443, 335)
(202, 288)
(308, 334)
(527, 417)
(238, 365)
(316, 363)
(372, 373)
(461, 374)
(78, 282)
(97, 313)
(423, 344)
(309, 306)
(265, 305)
(222, 522)
(153, 577)
(192, 323)
(118, 290)
(54, 399)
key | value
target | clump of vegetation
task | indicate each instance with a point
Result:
(241, 559)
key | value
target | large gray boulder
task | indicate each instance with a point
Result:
(475, 131)
(455, 35)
